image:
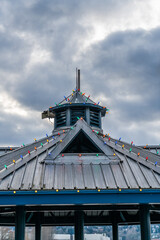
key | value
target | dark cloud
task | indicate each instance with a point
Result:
(42, 87)
(41, 44)
(14, 52)
(128, 64)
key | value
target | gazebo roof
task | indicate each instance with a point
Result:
(55, 163)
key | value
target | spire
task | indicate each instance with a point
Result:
(78, 79)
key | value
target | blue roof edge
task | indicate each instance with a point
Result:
(72, 197)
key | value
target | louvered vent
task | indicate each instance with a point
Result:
(94, 118)
(77, 113)
(61, 119)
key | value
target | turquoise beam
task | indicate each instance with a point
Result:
(145, 222)
(20, 223)
(79, 225)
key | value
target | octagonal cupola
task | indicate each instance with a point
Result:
(75, 106)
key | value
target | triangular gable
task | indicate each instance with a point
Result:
(81, 143)
(81, 127)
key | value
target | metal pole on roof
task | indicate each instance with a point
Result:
(78, 80)
(78, 87)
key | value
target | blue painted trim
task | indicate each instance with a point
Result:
(75, 105)
(78, 198)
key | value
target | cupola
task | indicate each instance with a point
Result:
(75, 106)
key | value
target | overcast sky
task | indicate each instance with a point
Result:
(116, 44)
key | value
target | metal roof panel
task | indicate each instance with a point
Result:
(78, 175)
(98, 176)
(138, 173)
(118, 175)
(49, 176)
(108, 176)
(18, 177)
(150, 177)
(88, 176)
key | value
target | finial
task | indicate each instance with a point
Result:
(78, 80)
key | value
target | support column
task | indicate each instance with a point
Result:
(38, 231)
(38, 227)
(115, 230)
(20, 223)
(79, 225)
(115, 226)
(145, 222)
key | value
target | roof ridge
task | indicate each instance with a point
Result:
(134, 157)
(28, 157)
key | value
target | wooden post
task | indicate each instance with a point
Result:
(20, 223)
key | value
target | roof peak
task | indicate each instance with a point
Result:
(76, 105)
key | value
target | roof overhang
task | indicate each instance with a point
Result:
(82, 197)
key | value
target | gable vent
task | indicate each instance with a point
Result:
(61, 119)
(94, 118)
(82, 144)
(77, 112)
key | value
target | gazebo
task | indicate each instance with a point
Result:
(79, 176)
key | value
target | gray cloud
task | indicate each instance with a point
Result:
(41, 44)
(128, 65)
